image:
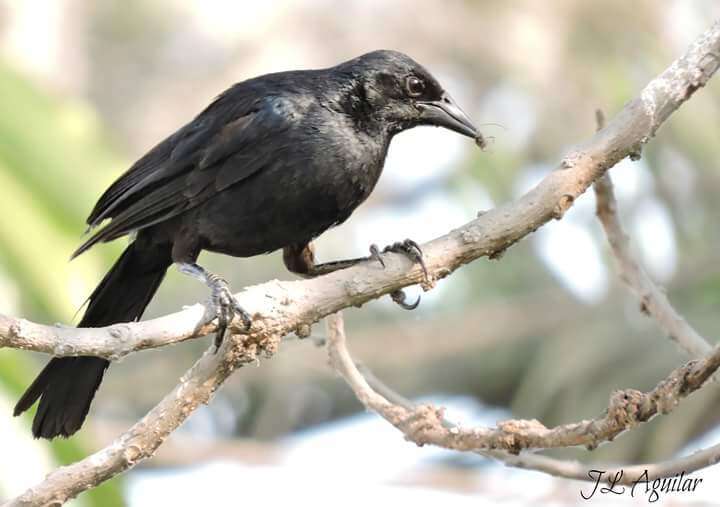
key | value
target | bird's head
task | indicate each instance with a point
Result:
(393, 88)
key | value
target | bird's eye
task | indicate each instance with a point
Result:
(414, 86)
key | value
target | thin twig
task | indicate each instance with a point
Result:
(653, 300)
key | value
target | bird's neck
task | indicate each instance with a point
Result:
(364, 118)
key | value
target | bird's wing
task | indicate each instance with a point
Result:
(219, 148)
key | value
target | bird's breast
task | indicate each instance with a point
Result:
(353, 178)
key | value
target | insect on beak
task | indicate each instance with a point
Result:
(446, 113)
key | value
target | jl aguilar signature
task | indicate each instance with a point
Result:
(643, 485)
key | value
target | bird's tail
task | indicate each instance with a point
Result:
(67, 385)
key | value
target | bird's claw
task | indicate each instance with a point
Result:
(226, 308)
(375, 255)
(399, 297)
(411, 250)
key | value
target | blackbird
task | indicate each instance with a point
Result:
(270, 164)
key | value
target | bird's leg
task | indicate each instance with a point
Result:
(300, 259)
(226, 306)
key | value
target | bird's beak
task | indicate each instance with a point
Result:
(446, 113)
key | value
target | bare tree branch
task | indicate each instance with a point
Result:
(112, 342)
(529, 460)
(143, 438)
(424, 424)
(279, 308)
(653, 300)
(623, 475)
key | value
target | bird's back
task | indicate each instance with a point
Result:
(289, 126)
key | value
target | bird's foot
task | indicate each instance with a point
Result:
(399, 298)
(375, 255)
(226, 308)
(412, 251)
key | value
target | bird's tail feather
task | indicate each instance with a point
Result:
(67, 385)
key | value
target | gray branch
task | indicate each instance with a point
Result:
(653, 300)
(529, 460)
(425, 424)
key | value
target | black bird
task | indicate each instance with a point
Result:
(271, 163)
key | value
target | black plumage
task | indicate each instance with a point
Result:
(270, 164)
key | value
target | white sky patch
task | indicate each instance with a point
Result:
(679, 176)
(314, 464)
(514, 110)
(31, 40)
(572, 255)
(683, 19)
(709, 490)
(424, 219)
(232, 21)
(631, 180)
(530, 177)
(26, 460)
(319, 449)
(582, 211)
(475, 197)
(422, 154)
(567, 248)
(228, 483)
(653, 230)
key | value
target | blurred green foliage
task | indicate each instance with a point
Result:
(50, 155)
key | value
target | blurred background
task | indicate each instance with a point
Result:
(546, 332)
